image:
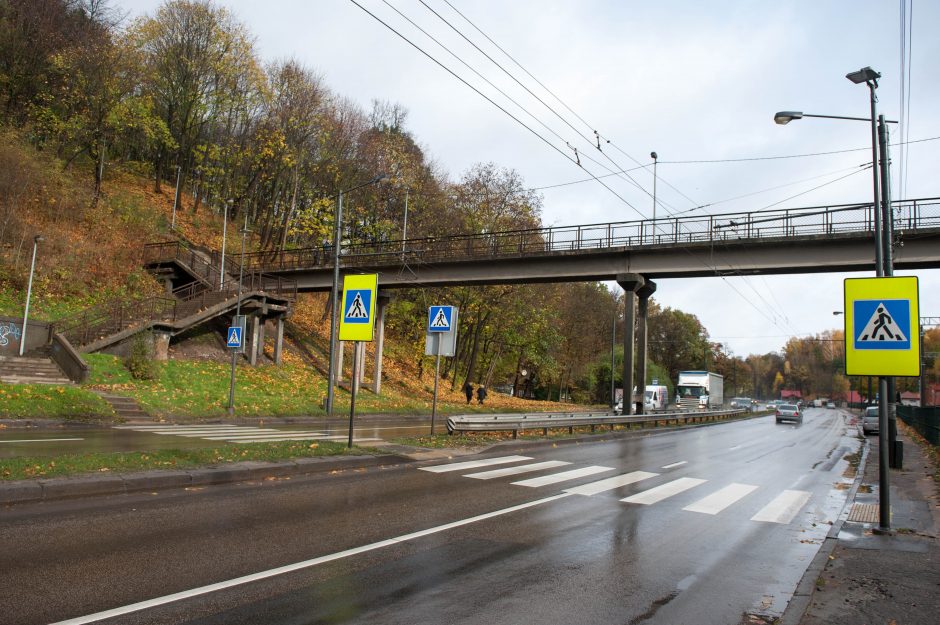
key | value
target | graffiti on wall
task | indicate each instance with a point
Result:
(9, 329)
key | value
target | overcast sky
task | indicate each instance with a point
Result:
(690, 80)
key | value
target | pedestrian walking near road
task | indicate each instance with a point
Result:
(481, 395)
(468, 391)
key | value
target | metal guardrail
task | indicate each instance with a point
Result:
(909, 215)
(551, 420)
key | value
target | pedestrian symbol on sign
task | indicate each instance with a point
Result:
(886, 324)
(440, 319)
(358, 310)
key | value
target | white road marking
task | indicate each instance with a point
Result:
(564, 476)
(674, 465)
(290, 568)
(721, 499)
(665, 491)
(268, 433)
(200, 433)
(525, 468)
(783, 508)
(265, 439)
(164, 428)
(40, 440)
(472, 464)
(610, 483)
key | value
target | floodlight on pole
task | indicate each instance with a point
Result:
(29, 292)
(654, 156)
(334, 293)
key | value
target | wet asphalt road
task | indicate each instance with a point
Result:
(487, 550)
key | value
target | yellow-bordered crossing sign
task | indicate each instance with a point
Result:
(882, 326)
(357, 321)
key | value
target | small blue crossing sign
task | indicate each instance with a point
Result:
(882, 324)
(234, 335)
(440, 318)
(357, 306)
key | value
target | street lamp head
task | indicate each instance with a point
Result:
(865, 74)
(654, 156)
(836, 313)
(38, 238)
(785, 117)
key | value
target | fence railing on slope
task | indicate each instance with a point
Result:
(909, 215)
(209, 272)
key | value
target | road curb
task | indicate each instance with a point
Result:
(31, 491)
(803, 595)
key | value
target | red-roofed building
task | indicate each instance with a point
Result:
(910, 398)
(855, 397)
(790, 394)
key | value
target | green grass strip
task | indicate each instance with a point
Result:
(22, 468)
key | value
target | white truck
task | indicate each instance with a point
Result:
(699, 390)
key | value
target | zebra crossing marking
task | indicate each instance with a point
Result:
(238, 433)
(472, 464)
(657, 494)
(525, 468)
(610, 483)
(783, 508)
(721, 499)
(564, 476)
(674, 465)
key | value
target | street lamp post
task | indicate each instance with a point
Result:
(224, 236)
(238, 312)
(654, 156)
(334, 293)
(29, 292)
(881, 216)
(176, 198)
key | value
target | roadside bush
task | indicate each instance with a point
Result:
(140, 361)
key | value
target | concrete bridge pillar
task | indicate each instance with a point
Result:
(644, 294)
(384, 299)
(279, 341)
(631, 283)
(253, 343)
(161, 345)
(340, 352)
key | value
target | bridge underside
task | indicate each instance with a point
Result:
(806, 254)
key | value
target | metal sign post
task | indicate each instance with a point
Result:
(881, 330)
(357, 324)
(441, 340)
(437, 378)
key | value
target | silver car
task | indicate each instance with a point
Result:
(788, 412)
(870, 420)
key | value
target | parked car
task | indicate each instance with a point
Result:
(870, 420)
(830, 405)
(788, 412)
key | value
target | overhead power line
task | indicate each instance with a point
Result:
(493, 102)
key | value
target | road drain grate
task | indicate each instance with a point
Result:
(864, 512)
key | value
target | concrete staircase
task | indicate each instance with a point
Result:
(31, 370)
(125, 407)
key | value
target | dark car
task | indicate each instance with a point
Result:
(788, 412)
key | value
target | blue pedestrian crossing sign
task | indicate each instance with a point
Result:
(882, 326)
(440, 318)
(234, 335)
(888, 325)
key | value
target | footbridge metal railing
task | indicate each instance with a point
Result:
(840, 219)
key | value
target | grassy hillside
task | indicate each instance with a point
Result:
(91, 254)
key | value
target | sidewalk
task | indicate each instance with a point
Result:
(861, 578)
